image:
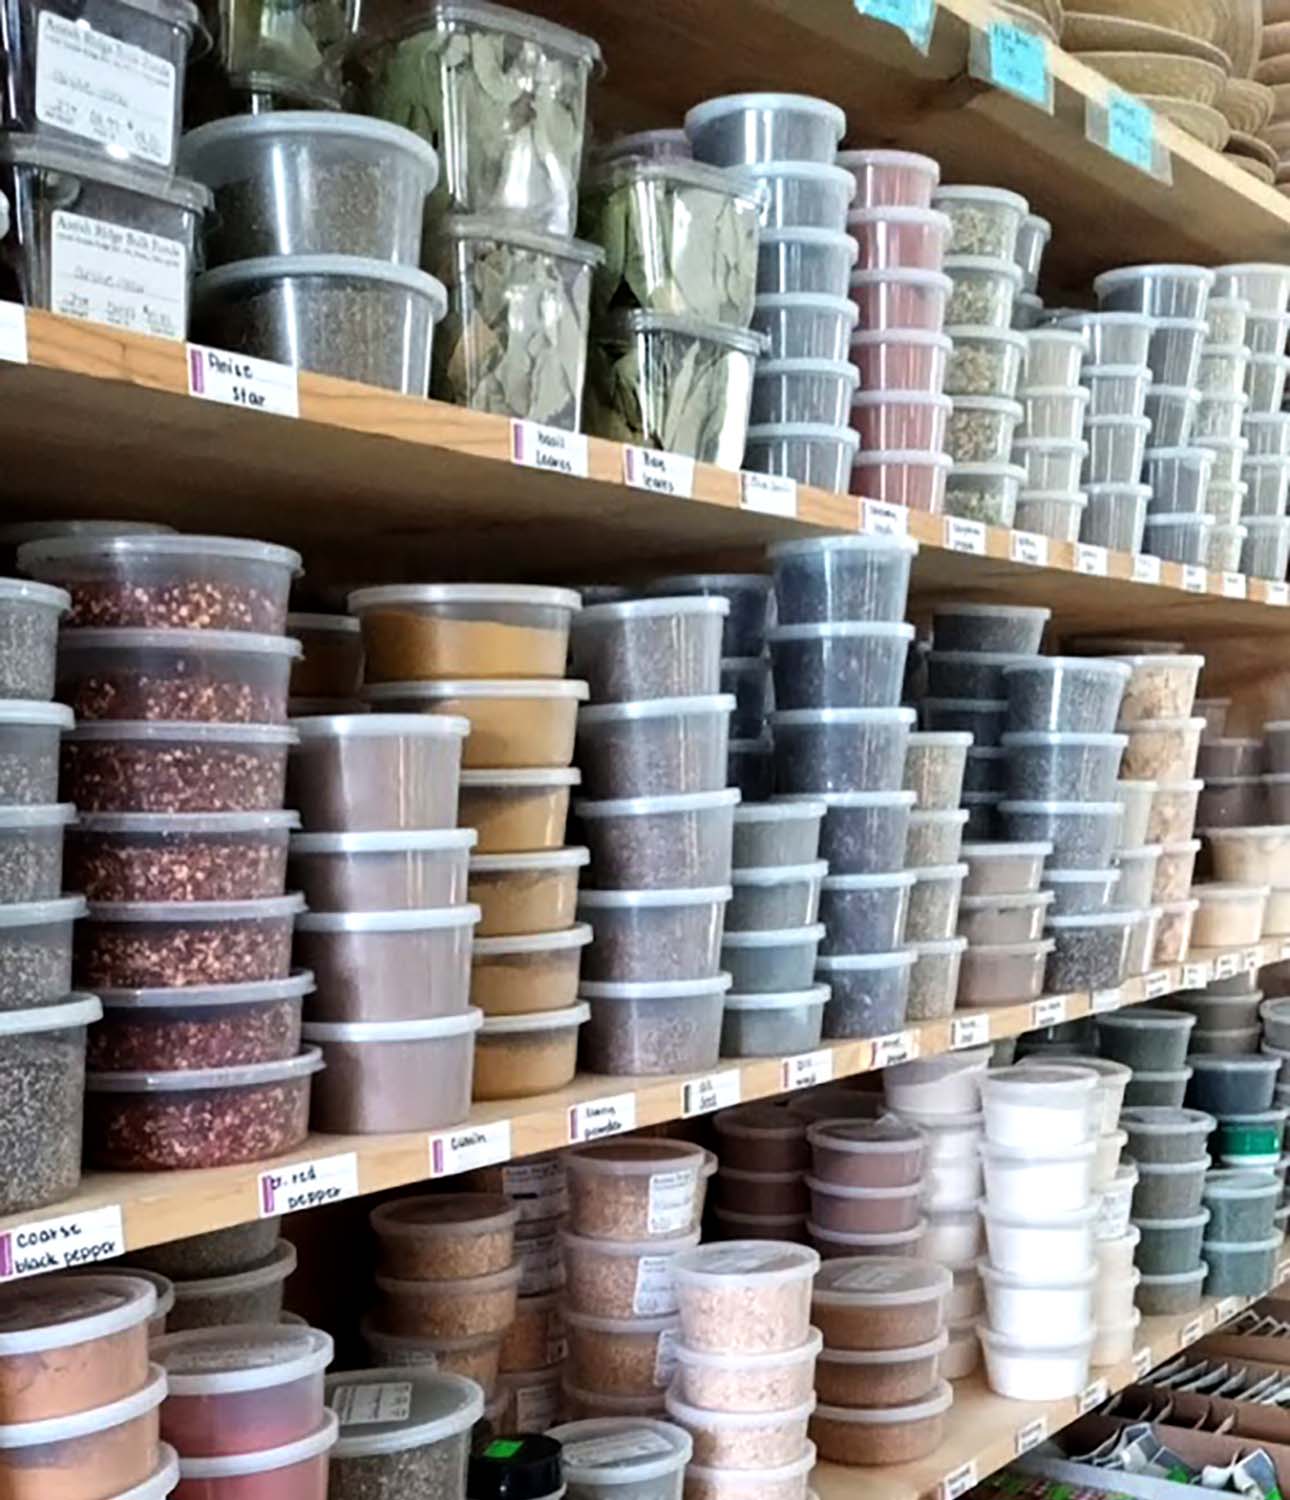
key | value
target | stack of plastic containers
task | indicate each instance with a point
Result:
(759, 1190)
(865, 1187)
(983, 484)
(1227, 1016)
(1168, 1144)
(1041, 1129)
(838, 656)
(653, 750)
(1221, 412)
(1242, 1239)
(327, 678)
(900, 289)
(176, 667)
(745, 1362)
(1032, 242)
(1055, 407)
(234, 1275)
(1231, 769)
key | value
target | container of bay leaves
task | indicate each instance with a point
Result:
(672, 383)
(290, 50)
(334, 314)
(501, 95)
(679, 237)
(514, 340)
(309, 182)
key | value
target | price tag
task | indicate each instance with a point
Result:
(537, 447)
(1093, 1394)
(1146, 568)
(1157, 983)
(1029, 547)
(1143, 1359)
(1090, 559)
(1131, 131)
(660, 473)
(13, 333)
(1233, 585)
(959, 1481)
(1253, 957)
(1195, 580)
(879, 518)
(307, 1184)
(56, 1244)
(1047, 1012)
(1277, 593)
(600, 1117)
(1227, 966)
(1107, 1000)
(1191, 1332)
(714, 1091)
(768, 495)
(969, 1031)
(1195, 976)
(1031, 1435)
(1228, 1308)
(1018, 62)
(239, 380)
(900, 1047)
(469, 1147)
(964, 536)
(914, 17)
(807, 1069)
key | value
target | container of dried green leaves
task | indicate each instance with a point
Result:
(984, 492)
(674, 384)
(335, 314)
(514, 341)
(502, 95)
(309, 182)
(292, 50)
(679, 237)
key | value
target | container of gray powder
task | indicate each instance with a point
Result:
(623, 1458)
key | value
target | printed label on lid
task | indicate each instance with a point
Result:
(745, 1258)
(768, 494)
(806, 1070)
(469, 1147)
(533, 1179)
(534, 446)
(716, 1091)
(364, 1405)
(601, 1117)
(541, 1265)
(239, 380)
(57, 1244)
(670, 1209)
(660, 473)
(536, 1407)
(308, 1184)
(869, 1279)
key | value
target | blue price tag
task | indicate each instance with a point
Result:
(1019, 63)
(1131, 131)
(913, 17)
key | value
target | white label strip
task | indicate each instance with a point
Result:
(239, 380)
(534, 446)
(1191, 1332)
(900, 1047)
(1277, 593)
(768, 494)
(1090, 559)
(1031, 1435)
(1195, 975)
(969, 1031)
(959, 1481)
(807, 1069)
(880, 518)
(660, 473)
(56, 1244)
(470, 1147)
(1194, 579)
(600, 1117)
(1048, 1012)
(1143, 1359)
(325, 1180)
(714, 1091)
(965, 536)
(1156, 984)
(1233, 585)
(124, 278)
(1029, 547)
(1146, 568)
(1093, 1394)
(1107, 999)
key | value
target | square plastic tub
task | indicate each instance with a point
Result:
(807, 452)
(970, 674)
(1118, 390)
(984, 362)
(900, 359)
(1051, 468)
(654, 747)
(805, 260)
(905, 477)
(1266, 547)
(841, 749)
(982, 290)
(845, 665)
(1065, 694)
(1172, 410)
(738, 130)
(892, 177)
(869, 993)
(1044, 766)
(1267, 481)
(984, 492)
(901, 298)
(1114, 338)
(1116, 446)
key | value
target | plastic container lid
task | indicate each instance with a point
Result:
(78, 165)
(417, 919)
(534, 776)
(379, 726)
(540, 1020)
(245, 1075)
(771, 875)
(179, 824)
(440, 1406)
(739, 1261)
(888, 880)
(727, 104)
(743, 1360)
(902, 958)
(679, 604)
(426, 1029)
(85, 1423)
(636, 900)
(1036, 850)
(300, 982)
(306, 620)
(749, 1482)
(880, 1281)
(78, 1009)
(830, 238)
(396, 841)
(261, 909)
(881, 1416)
(782, 1000)
(577, 936)
(634, 1157)
(161, 1481)
(529, 687)
(269, 1460)
(621, 1450)
(443, 1215)
(23, 711)
(181, 730)
(220, 1360)
(652, 708)
(52, 1313)
(816, 432)
(186, 545)
(25, 591)
(652, 989)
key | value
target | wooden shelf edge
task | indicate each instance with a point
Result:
(159, 1206)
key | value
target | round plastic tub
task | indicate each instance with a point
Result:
(634, 1189)
(773, 1025)
(776, 833)
(621, 1357)
(294, 1469)
(1052, 468)
(516, 810)
(744, 1296)
(862, 832)
(934, 839)
(901, 297)
(1118, 390)
(875, 1378)
(999, 921)
(865, 913)
(603, 1458)
(445, 1236)
(1168, 1247)
(371, 872)
(1056, 1181)
(774, 898)
(844, 665)
(464, 1307)
(1053, 359)
(428, 1431)
(652, 936)
(869, 993)
(663, 842)
(894, 178)
(1232, 1085)
(1241, 1270)
(934, 769)
(655, 747)
(946, 1086)
(1058, 1105)
(1258, 855)
(1004, 868)
(809, 452)
(622, 1278)
(865, 1154)
(905, 477)
(1241, 1205)
(1020, 1305)
(360, 773)
(879, 1302)
(1176, 1293)
(511, 723)
(1023, 1370)
(838, 1209)
(1157, 1090)
(804, 325)
(1058, 1246)
(29, 619)
(527, 973)
(761, 1137)
(1169, 1190)
(1069, 695)
(1003, 973)
(984, 362)
(900, 359)
(880, 1435)
(1083, 835)
(1043, 766)
(841, 578)
(1112, 1080)
(332, 664)
(1147, 1038)
(747, 129)
(466, 632)
(1173, 812)
(1228, 915)
(650, 648)
(744, 1439)
(771, 963)
(519, 1055)
(526, 893)
(841, 749)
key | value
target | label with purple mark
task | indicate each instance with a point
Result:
(1156, 984)
(537, 447)
(308, 1184)
(240, 380)
(959, 1481)
(1031, 1435)
(807, 1069)
(768, 494)
(1047, 1012)
(1029, 547)
(714, 1091)
(969, 1031)
(56, 1244)
(660, 473)
(469, 1147)
(601, 1117)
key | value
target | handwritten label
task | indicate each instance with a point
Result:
(1277, 593)
(1031, 1435)
(469, 1147)
(1050, 1011)
(900, 1047)
(1233, 585)
(1090, 559)
(57, 1244)
(1227, 966)
(1194, 976)
(1131, 131)
(959, 1481)
(807, 1069)
(1111, 999)
(969, 1031)
(1143, 1359)
(1195, 580)
(714, 1091)
(965, 536)
(660, 473)
(309, 1183)
(1093, 1394)
(537, 447)
(1157, 983)
(1146, 568)
(913, 17)
(1191, 1332)
(768, 494)
(239, 380)
(1228, 1308)
(1018, 62)
(600, 1117)
(1029, 547)
(13, 333)
(879, 518)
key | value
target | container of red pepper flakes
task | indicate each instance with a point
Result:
(168, 581)
(203, 1026)
(294, 1471)
(175, 944)
(202, 676)
(242, 1387)
(118, 767)
(202, 1117)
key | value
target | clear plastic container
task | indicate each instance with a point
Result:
(1241, 1270)
(393, 1075)
(865, 913)
(803, 451)
(1179, 479)
(1032, 239)
(623, 1458)
(1004, 919)
(1019, 1306)
(1161, 291)
(892, 177)
(527, 972)
(982, 290)
(1053, 359)
(1172, 410)
(984, 362)
(896, 420)
(1241, 1205)
(635, 1189)
(1219, 418)
(1139, 799)
(1116, 446)
(1137, 869)
(1232, 1085)
(879, 1378)
(745, 1296)
(1228, 915)
(655, 747)
(1053, 413)
(1004, 868)
(802, 391)
(425, 1430)
(841, 749)
(902, 477)
(1045, 766)
(653, 935)
(1092, 950)
(1162, 749)
(1268, 481)
(520, 1055)
(1059, 1105)
(29, 623)
(985, 492)
(895, 237)
(804, 260)
(1257, 855)
(1119, 391)
(747, 129)
(249, 1296)
(370, 872)
(775, 833)
(882, 1434)
(516, 810)
(1268, 434)
(773, 1025)
(1083, 835)
(1003, 973)
(771, 962)
(934, 903)
(650, 1027)
(845, 665)
(1146, 1038)
(650, 648)
(512, 723)
(1229, 456)
(659, 842)
(1180, 539)
(900, 359)
(985, 220)
(1057, 516)
(1051, 468)
(1266, 547)
(869, 993)
(935, 838)
(862, 832)
(805, 325)
(1266, 382)
(901, 297)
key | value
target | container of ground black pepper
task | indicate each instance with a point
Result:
(29, 738)
(36, 951)
(29, 616)
(31, 851)
(332, 665)
(42, 1076)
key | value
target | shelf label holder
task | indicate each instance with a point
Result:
(1277, 593)
(307, 1184)
(959, 1481)
(969, 1031)
(658, 472)
(1157, 984)
(1143, 1360)
(1090, 559)
(806, 1069)
(1104, 1000)
(13, 333)
(56, 1244)
(1031, 1435)
(1234, 586)
(469, 1147)
(899, 1047)
(1050, 1011)
(962, 535)
(1125, 127)
(1015, 60)
(239, 380)
(1195, 579)
(916, 18)
(1146, 568)
(595, 1118)
(881, 518)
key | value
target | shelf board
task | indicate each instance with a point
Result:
(159, 1206)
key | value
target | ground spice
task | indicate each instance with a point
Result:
(408, 645)
(536, 1339)
(434, 1471)
(627, 1359)
(466, 1308)
(28, 642)
(524, 901)
(28, 767)
(156, 775)
(41, 1082)
(35, 964)
(445, 1236)
(517, 1065)
(777, 1440)
(178, 1037)
(511, 984)
(612, 1280)
(218, 1252)
(635, 1189)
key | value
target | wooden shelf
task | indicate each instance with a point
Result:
(159, 1206)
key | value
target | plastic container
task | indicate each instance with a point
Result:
(1052, 468)
(635, 1458)
(870, 993)
(1116, 447)
(773, 1025)
(984, 362)
(1257, 855)
(1091, 952)
(658, 842)
(1169, 1190)
(747, 129)
(1118, 391)
(1241, 1270)
(1146, 1038)
(1241, 1206)
(1232, 1085)
(1057, 516)
(913, 479)
(1172, 410)
(655, 747)
(1266, 382)
(651, 1027)
(1137, 869)
(846, 665)
(1228, 915)
(900, 359)
(865, 913)
(775, 897)
(512, 723)
(1019, 1306)
(1173, 812)
(1065, 694)
(902, 297)
(804, 260)
(1083, 835)
(525, 809)
(650, 648)
(805, 325)
(1268, 484)
(1044, 766)
(1171, 1246)
(1053, 358)
(984, 492)
(1176, 1293)
(841, 749)
(519, 1055)
(1003, 973)
(1058, 1105)
(1058, 1246)
(842, 578)
(883, 1434)
(653, 935)
(1004, 868)
(772, 963)
(892, 177)
(1018, 1181)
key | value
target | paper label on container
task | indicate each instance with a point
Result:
(768, 494)
(1090, 559)
(469, 1147)
(601, 1117)
(1029, 547)
(670, 1209)
(363, 1405)
(239, 380)
(533, 1179)
(665, 1358)
(308, 1184)
(969, 1031)
(534, 446)
(56, 1244)
(1031, 1435)
(654, 1294)
(660, 473)
(126, 278)
(595, 1452)
(541, 1264)
(715, 1091)
(1146, 568)
(536, 1406)
(13, 333)
(881, 518)
(104, 90)
(807, 1069)
(959, 1481)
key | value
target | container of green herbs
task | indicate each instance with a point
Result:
(298, 44)
(679, 237)
(514, 340)
(672, 383)
(500, 95)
